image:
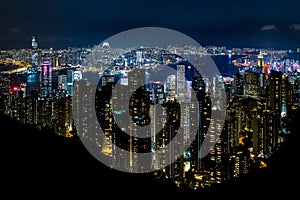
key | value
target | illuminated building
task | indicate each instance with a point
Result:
(294, 99)
(62, 82)
(165, 117)
(252, 83)
(196, 163)
(284, 93)
(239, 84)
(180, 84)
(61, 116)
(139, 103)
(34, 55)
(214, 161)
(70, 81)
(275, 100)
(247, 133)
(171, 129)
(260, 60)
(47, 55)
(170, 88)
(238, 131)
(31, 107)
(77, 75)
(254, 121)
(62, 109)
(23, 89)
(229, 89)
(105, 55)
(4, 95)
(83, 109)
(46, 79)
(199, 88)
(158, 123)
(17, 104)
(106, 119)
(269, 132)
(44, 115)
(158, 95)
(139, 57)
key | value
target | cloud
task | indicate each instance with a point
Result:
(14, 30)
(268, 27)
(295, 27)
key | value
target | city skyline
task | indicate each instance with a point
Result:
(259, 97)
(59, 24)
(53, 53)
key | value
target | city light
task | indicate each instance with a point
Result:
(262, 92)
(15, 89)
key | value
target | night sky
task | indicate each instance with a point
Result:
(78, 23)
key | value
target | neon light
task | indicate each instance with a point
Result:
(15, 88)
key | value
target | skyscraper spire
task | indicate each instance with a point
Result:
(34, 44)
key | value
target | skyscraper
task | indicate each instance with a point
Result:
(70, 81)
(46, 79)
(31, 107)
(139, 112)
(252, 83)
(4, 95)
(181, 85)
(260, 60)
(62, 82)
(275, 101)
(34, 55)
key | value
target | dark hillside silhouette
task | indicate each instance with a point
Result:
(33, 160)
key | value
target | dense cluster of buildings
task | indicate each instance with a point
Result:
(258, 101)
(45, 106)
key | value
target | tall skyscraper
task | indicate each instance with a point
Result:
(46, 79)
(17, 104)
(284, 93)
(61, 116)
(32, 107)
(139, 103)
(45, 111)
(239, 84)
(275, 94)
(196, 162)
(70, 81)
(181, 85)
(4, 95)
(34, 55)
(106, 119)
(170, 88)
(275, 91)
(252, 83)
(158, 117)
